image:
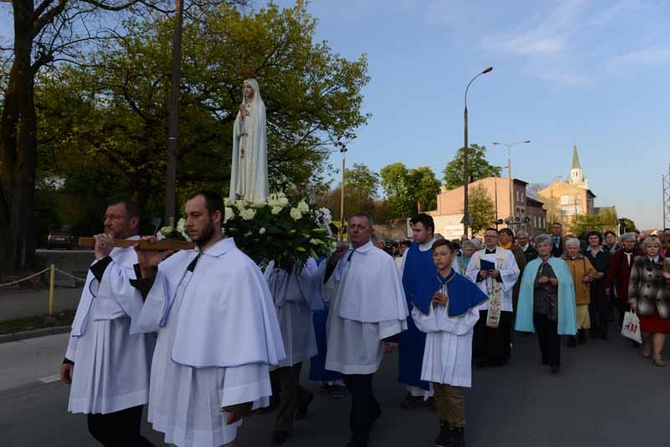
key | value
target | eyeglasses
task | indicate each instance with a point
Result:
(113, 217)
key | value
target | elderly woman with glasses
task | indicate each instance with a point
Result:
(468, 248)
(648, 295)
(547, 302)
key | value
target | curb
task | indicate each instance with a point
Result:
(16, 336)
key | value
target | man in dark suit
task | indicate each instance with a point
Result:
(524, 244)
(558, 241)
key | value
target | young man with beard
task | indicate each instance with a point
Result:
(107, 368)
(217, 332)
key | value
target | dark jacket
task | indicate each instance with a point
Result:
(530, 253)
(557, 252)
(600, 262)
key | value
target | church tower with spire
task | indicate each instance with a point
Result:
(577, 177)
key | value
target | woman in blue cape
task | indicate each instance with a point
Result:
(547, 302)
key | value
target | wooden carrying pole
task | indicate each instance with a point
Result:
(89, 242)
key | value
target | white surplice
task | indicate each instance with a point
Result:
(447, 357)
(296, 297)
(218, 335)
(367, 305)
(111, 371)
(509, 273)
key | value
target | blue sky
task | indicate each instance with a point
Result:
(591, 72)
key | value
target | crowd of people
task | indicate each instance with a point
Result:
(205, 338)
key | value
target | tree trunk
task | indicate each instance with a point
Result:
(18, 136)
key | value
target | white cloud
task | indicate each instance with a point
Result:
(550, 43)
(646, 56)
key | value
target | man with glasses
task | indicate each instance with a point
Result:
(107, 368)
(495, 272)
(529, 251)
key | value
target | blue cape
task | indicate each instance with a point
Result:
(419, 269)
(567, 310)
(463, 294)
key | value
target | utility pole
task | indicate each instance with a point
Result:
(666, 199)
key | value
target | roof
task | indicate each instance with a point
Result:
(575, 158)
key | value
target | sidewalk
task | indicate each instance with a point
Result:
(26, 303)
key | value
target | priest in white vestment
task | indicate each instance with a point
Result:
(367, 312)
(218, 333)
(249, 172)
(108, 368)
(495, 272)
(296, 296)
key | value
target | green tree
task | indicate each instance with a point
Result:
(627, 225)
(395, 182)
(479, 167)
(609, 219)
(424, 188)
(44, 31)
(360, 192)
(312, 96)
(586, 222)
(482, 209)
(409, 190)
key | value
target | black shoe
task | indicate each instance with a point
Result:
(572, 342)
(274, 405)
(306, 398)
(338, 392)
(581, 336)
(555, 369)
(279, 437)
(444, 437)
(411, 402)
(376, 414)
(457, 435)
(360, 440)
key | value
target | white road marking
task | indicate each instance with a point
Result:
(50, 379)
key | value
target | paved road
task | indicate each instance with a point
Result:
(606, 395)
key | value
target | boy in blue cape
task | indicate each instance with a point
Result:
(446, 309)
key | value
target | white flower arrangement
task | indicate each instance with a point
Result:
(295, 214)
(177, 233)
(287, 232)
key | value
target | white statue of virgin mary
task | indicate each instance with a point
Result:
(249, 173)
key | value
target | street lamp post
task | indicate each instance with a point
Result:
(343, 151)
(466, 176)
(509, 171)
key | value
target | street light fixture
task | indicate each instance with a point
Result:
(466, 176)
(509, 171)
(343, 151)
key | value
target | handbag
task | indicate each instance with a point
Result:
(631, 327)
